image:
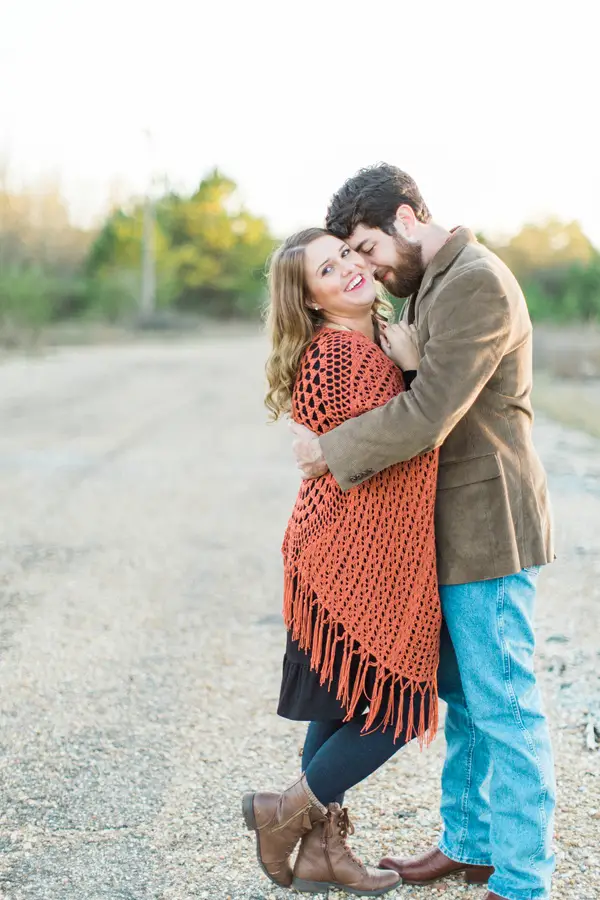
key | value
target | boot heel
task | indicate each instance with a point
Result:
(311, 887)
(478, 876)
(248, 811)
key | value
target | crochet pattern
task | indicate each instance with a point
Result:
(359, 566)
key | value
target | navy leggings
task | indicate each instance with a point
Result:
(337, 756)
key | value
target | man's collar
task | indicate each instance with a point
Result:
(443, 259)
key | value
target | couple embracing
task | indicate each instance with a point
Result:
(413, 551)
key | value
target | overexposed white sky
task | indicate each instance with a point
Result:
(492, 106)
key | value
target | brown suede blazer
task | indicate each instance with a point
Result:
(471, 396)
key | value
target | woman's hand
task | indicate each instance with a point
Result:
(307, 451)
(399, 342)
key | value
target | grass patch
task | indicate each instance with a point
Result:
(572, 402)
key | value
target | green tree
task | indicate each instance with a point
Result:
(210, 251)
(558, 268)
(550, 245)
(41, 254)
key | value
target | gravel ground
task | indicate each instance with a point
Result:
(144, 502)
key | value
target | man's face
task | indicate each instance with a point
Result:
(396, 262)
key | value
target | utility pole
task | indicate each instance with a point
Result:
(148, 294)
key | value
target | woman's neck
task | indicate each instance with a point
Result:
(364, 324)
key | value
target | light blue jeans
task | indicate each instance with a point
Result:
(498, 790)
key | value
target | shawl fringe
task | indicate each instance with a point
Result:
(318, 633)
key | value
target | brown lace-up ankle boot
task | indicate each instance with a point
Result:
(325, 861)
(280, 820)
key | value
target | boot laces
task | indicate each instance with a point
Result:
(345, 828)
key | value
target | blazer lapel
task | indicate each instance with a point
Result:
(442, 261)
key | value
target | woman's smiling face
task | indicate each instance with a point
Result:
(339, 280)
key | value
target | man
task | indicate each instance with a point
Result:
(471, 396)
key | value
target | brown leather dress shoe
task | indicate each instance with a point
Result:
(434, 865)
(490, 896)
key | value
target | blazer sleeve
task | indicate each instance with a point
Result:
(469, 328)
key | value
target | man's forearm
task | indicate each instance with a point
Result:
(376, 440)
(469, 331)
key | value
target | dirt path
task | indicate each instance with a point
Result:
(143, 502)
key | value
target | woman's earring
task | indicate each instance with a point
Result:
(316, 307)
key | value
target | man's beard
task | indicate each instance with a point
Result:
(406, 276)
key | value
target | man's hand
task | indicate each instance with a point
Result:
(307, 451)
(399, 342)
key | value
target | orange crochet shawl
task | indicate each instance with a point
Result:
(360, 566)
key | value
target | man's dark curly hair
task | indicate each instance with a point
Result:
(371, 198)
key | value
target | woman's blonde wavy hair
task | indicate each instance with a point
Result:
(291, 320)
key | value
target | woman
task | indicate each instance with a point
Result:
(361, 603)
